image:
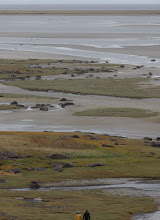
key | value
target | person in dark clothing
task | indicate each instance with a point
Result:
(86, 215)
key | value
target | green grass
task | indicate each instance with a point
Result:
(64, 205)
(131, 158)
(117, 112)
(130, 88)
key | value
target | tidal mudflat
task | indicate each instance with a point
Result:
(79, 112)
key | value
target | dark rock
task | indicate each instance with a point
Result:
(38, 105)
(58, 156)
(21, 106)
(40, 169)
(63, 100)
(2, 156)
(148, 139)
(155, 144)
(68, 165)
(76, 136)
(158, 138)
(26, 156)
(121, 66)
(96, 138)
(2, 181)
(116, 143)
(153, 60)
(16, 170)
(63, 105)
(88, 135)
(38, 77)
(10, 154)
(16, 164)
(96, 165)
(14, 103)
(28, 169)
(150, 74)
(34, 185)
(113, 140)
(106, 145)
(58, 167)
(43, 108)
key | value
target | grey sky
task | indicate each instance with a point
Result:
(80, 2)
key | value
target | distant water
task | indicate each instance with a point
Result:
(80, 7)
(50, 24)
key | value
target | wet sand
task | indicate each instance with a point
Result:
(78, 35)
(149, 51)
(64, 120)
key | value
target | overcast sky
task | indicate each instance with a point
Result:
(80, 2)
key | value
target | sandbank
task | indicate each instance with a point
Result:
(78, 12)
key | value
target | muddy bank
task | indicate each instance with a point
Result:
(81, 12)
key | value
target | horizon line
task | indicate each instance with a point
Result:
(79, 4)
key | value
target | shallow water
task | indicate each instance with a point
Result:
(79, 24)
(132, 184)
(50, 24)
(102, 56)
(80, 6)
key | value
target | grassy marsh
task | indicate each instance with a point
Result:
(13, 69)
(64, 205)
(130, 88)
(26, 98)
(117, 112)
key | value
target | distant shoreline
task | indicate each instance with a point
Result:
(79, 12)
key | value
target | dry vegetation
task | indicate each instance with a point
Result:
(130, 158)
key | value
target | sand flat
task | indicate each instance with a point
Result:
(78, 12)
